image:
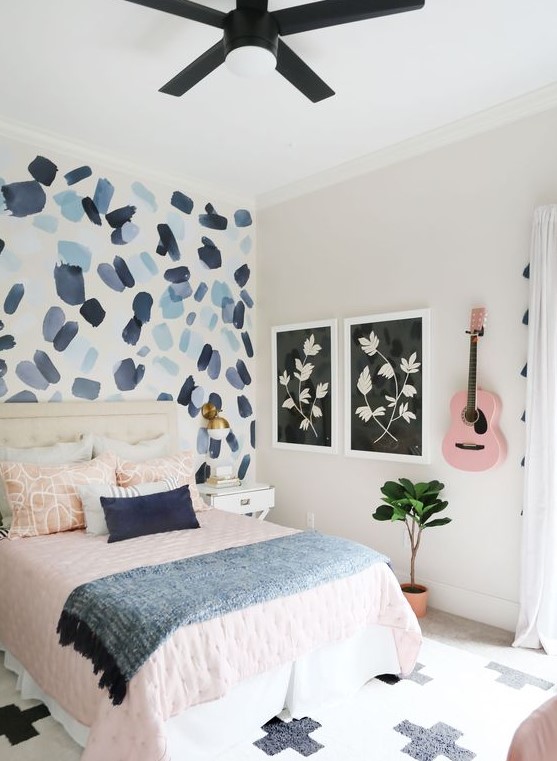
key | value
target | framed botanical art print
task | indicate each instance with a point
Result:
(387, 366)
(305, 386)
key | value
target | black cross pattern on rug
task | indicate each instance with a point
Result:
(17, 725)
(289, 734)
(415, 676)
(429, 744)
(517, 679)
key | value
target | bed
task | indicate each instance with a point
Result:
(301, 651)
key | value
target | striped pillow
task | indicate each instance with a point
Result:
(91, 498)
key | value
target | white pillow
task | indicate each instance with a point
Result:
(91, 494)
(56, 454)
(142, 450)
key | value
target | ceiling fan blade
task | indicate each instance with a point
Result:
(303, 18)
(257, 5)
(192, 74)
(300, 75)
(186, 9)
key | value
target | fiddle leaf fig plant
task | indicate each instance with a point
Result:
(416, 504)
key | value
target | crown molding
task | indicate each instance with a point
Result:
(84, 152)
(497, 116)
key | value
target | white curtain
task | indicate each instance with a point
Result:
(537, 622)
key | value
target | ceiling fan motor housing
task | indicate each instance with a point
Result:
(250, 27)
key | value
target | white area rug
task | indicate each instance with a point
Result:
(456, 705)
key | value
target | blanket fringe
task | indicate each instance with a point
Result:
(72, 631)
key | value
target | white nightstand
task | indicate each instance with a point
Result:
(243, 499)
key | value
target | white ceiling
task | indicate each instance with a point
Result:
(88, 71)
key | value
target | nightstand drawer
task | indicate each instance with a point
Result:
(245, 501)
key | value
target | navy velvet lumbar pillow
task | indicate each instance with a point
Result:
(128, 517)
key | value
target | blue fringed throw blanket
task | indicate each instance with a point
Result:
(119, 621)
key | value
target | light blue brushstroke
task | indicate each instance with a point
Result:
(56, 397)
(195, 343)
(140, 273)
(246, 244)
(233, 377)
(52, 322)
(9, 262)
(232, 339)
(232, 233)
(129, 231)
(202, 289)
(103, 195)
(70, 205)
(143, 351)
(144, 194)
(167, 365)
(246, 298)
(28, 373)
(190, 319)
(171, 309)
(89, 360)
(149, 262)
(198, 396)
(75, 254)
(208, 318)
(185, 341)
(179, 291)
(176, 223)
(202, 444)
(46, 222)
(76, 351)
(228, 310)
(163, 336)
(219, 292)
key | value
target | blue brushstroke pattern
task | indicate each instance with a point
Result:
(246, 244)
(214, 366)
(28, 373)
(238, 315)
(65, 336)
(92, 310)
(252, 434)
(13, 299)
(23, 396)
(43, 170)
(244, 406)
(209, 254)
(526, 272)
(132, 332)
(242, 218)
(247, 344)
(46, 222)
(233, 377)
(182, 202)
(177, 275)
(177, 224)
(118, 217)
(2, 244)
(184, 395)
(199, 294)
(103, 195)
(185, 341)
(215, 399)
(204, 357)
(246, 298)
(214, 448)
(179, 291)
(242, 275)
(202, 444)
(74, 253)
(53, 321)
(167, 364)
(227, 310)
(3, 368)
(88, 206)
(202, 473)
(70, 286)
(24, 198)
(127, 376)
(171, 308)
(525, 317)
(190, 319)
(163, 336)
(89, 360)
(164, 396)
(108, 275)
(123, 272)
(145, 195)
(142, 305)
(7, 342)
(71, 205)
(125, 234)
(149, 262)
(244, 465)
(231, 339)
(232, 442)
(46, 367)
(243, 371)
(84, 388)
(3, 387)
(78, 174)
(212, 219)
(167, 242)
(144, 351)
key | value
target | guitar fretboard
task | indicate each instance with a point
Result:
(470, 413)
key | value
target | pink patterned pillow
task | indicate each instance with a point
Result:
(44, 498)
(178, 466)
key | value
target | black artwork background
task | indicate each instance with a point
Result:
(398, 338)
(289, 347)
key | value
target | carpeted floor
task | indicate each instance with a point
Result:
(463, 701)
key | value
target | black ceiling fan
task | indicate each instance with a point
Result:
(250, 24)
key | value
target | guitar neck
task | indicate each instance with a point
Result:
(472, 373)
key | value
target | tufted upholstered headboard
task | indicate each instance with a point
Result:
(44, 423)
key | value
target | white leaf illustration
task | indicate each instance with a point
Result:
(305, 396)
(364, 382)
(284, 379)
(288, 403)
(410, 365)
(321, 390)
(409, 416)
(299, 365)
(310, 347)
(391, 400)
(306, 372)
(364, 413)
(386, 370)
(409, 390)
(404, 412)
(304, 425)
(369, 345)
(378, 411)
(316, 411)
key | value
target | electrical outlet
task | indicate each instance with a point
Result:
(310, 520)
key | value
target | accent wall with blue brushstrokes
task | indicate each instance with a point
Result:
(116, 288)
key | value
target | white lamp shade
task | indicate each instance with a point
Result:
(251, 61)
(218, 433)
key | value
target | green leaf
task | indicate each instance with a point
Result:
(432, 509)
(437, 522)
(408, 487)
(392, 491)
(383, 513)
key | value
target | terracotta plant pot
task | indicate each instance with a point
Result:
(417, 598)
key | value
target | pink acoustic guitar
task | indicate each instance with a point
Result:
(474, 441)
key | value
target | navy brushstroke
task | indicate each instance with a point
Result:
(214, 367)
(3, 367)
(93, 311)
(23, 396)
(84, 388)
(43, 170)
(69, 283)
(242, 275)
(91, 210)
(28, 373)
(242, 218)
(177, 275)
(252, 434)
(46, 367)
(167, 242)
(182, 202)
(7, 342)
(204, 357)
(12, 300)
(233, 377)
(212, 219)
(132, 331)
(164, 396)
(109, 276)
(244, 406)
(238, 316)
(120, 216)
(24, 198)
(123, 272)
(184, 395)
(142, 305)
(243, 371)
(65, 335)
(247, 343)
(244, 465)
(209, 254)
(232, 442)
(75, 175)
(2, 244)
(179, 291)
(127, 376)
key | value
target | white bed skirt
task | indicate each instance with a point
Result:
(324, 677)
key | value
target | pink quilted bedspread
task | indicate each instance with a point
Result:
(200, 662)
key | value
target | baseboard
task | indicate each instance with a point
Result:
(467, 603)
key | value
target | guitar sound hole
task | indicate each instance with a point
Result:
(470, 417)
(479, 421)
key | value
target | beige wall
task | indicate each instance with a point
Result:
(447, 230)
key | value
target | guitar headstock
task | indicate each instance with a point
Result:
(477, 322)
